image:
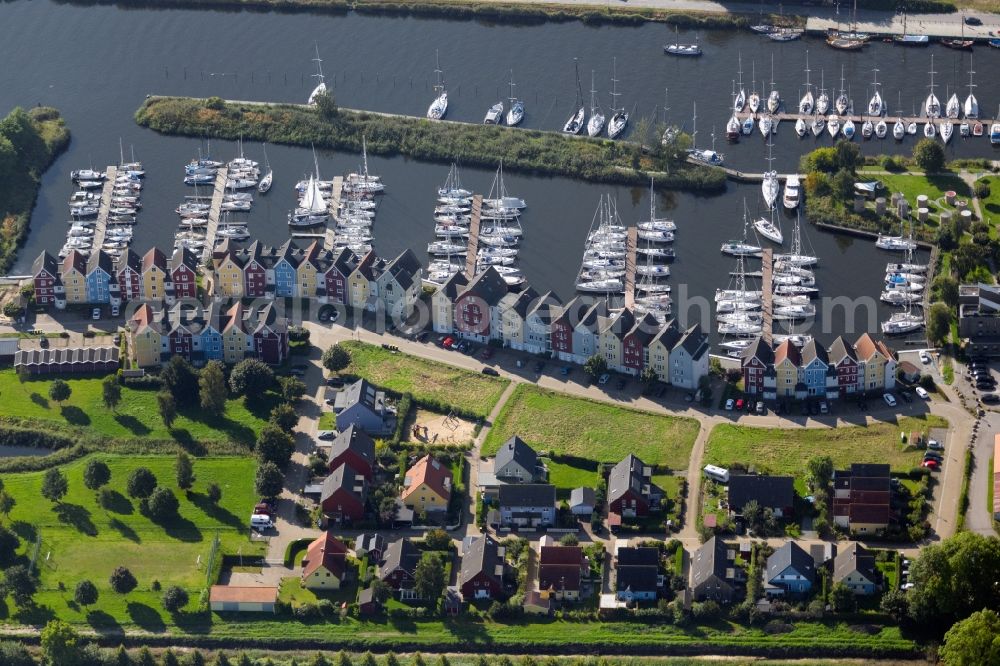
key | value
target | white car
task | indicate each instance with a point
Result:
(889, 400)
(934, 445)
(922, 392)
(729, 405)
(604, 379)
(925, 358)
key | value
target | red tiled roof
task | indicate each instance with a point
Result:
(326, 551)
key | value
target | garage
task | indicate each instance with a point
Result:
(235, 599)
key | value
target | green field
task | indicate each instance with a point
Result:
(567, 476)
(915, 184)
(137, 415)
(591, 430)
(782, 450)
(469, 391)
(991, 204)
(81, 540)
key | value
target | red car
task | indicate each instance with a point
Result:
(930, 464)
(739, 405)
(447, 343)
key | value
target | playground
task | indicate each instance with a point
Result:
(427, 427)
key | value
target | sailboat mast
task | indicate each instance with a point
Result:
(614, 85)
(511, 98)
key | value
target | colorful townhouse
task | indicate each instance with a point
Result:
(538, 323)
(757, 361)
(876, 364)
(73, 275)
(477, 313)
(612, 337)
(183, 271)
(787, 360)
(286, 265)
(844, 363)
(336, 276)
(236, 344)
(227, 275)
(443, 303)
(514, 309)
(399, 285)
(254, 271)
(310, 273)
(576, 332)
(145, 337)
(635, 345)
(815, 373)
(689, 358)
(359, 282)
(44, 278)
(154, 275)
(660, 348)
(128, 268)
(100, 274)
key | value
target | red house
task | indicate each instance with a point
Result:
(481, 575)
(631, 492)
(129, 271)
(561, 333)
(336, 276)
(636, 343)
(254, 272)
(343, 495)
(755, 362)
(842, 358)
(401, 558)
(473, 306)
(180, 338)
(45, 274)
(270, 336)
(355, 448)
(183, 273)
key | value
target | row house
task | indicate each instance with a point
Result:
(574, 333)
(477, 307)
(45, 276)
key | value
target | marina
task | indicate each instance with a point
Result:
(101, 228)
(215, 210)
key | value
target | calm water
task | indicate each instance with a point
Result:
(97, 64)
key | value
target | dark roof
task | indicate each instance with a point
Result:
(404, 268)
(488, 286)
(65, 356)
(710, 559)
(483, 556)
(582, 497)
(841, 349)
(344, 478)
(870, 470)
(401, 554)
(854, 558)
(346, 262)
(365, 393)
(129, 259)
(454, 285)
(627, 474)
(515, 449)
(547, 307)
(369, 542)
(668, 335)
(559, 567)
(182, 256)
(791, 555)
(638, 556)
(694, 342)
(769, 491)
(621, 323)
(46, 262)
(760, 350)
(154, 257)
(637, 569)
(527, 494)
(354, 439)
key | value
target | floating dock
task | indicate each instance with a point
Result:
(472, 250)
(215, 212)
(101, 228)
(336, 192)
(767, 290)
(630, 246)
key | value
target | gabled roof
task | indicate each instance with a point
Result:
(768, 491)
(638, 556)
(233, 318)
(667, 336)
(326, 551)
(404, 268)
(488, 286)
(365, 393)
(854, 558)
(629, 474)
(524, 302)
(791, 555)
(865, 347)
(637, 569)
(354, 439)
(813, 351)
(482, 557)
(344, 478)
(694, 342)
(74, 261)
(840, 351)
(401, 554)
(454, 285)
(154, 257)
(313, 254)
(267, 318)
(760, 350)
(431, 472)
(129, 259)
(515, 449)
(182, 256)
(526, 494)
(582, 496)
(619, 323)
(547, 308)
(345, 262)
(45, 262)
(100, 260)
(144, 317)
(559, 567)
(786, 350)
(710, 559)
(645, 329)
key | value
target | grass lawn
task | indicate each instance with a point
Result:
(137, 414)
(567, 476)
(991, 204)
(80, 540)
(671, 486)
(591, 430)
(428, 380)
(292, 592)
(786, 450)
(327, 421)
(912, 185)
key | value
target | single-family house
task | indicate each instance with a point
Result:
(427, 486)
(854, 566)
(371, 545)
(790, 569)
(562, 571)
(363, 405)
(400, 566)
(354, 447)
(516, 462)
(713, 571)
(631, 491)
(343, 496)
(862, 497)
(481, 575)
(324, 566)
(637, 574)
(770, 492)
(527, 505)
(44, 276)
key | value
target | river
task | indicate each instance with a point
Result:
(96, 64)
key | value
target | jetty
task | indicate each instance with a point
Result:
(630, 246)
(767, 291)
(472, 250)
(101, 228)
(883, 24)
(336, 192)
(215, 211)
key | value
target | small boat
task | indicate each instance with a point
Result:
(818, 125)
(881, 129)
(747, 128)
(911, 128)
(769, 230)
(932, 106)
(911, 40)
(800, 127)
(792, 194)
(994, 43)
(848, 129)
(87, 174)
(679, 49)
(845, 44)
(619, 116)
(495, 115)
(733, 128)
(867, 129)
(765, 124)
(739, 248)
(946, 129)
(898, 130)
(895, 243)
(897, 297)
(902, 323)
(958, 44)
(764, 28)
(953, 108)
(905, 268)
(754, 102)
(833, 125)
(977, 128)
(929, 130)
(446, 248)
(596, 122)
(784, 35)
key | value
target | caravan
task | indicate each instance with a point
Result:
(719, 474)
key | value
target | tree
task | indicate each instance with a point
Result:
(12, 309)
(336, 358)
(251, 378)
(168, 408)
(96, 474)
(387, 510)
(327, 106)
(269, 480)
(948, 579)
(15, 654)
(428, 578)
(938, 322)
(212, 389)
(7, 503)
(648, 375)
(437, 539)
(275, 445)
(54, 485)
(946, 290)
(974, 641)
(283, 416)
(8, 546)
(752, 514)
(85, 593)
(596, 365)
(380, 591)
(842, 598)
(20, 584)
(569, 539)
(174, 599)
(929, 155)
(820, 470)
(60, 643)
(112, 392)
(292, 388)
(214, 493)
(59, 391)
(184, 471)
(141, 483)
(181, 381)
(122, 581)
(162, 505)
(843, 184)
(895, 604)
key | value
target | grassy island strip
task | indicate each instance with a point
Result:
(29, 142)
(528, 151)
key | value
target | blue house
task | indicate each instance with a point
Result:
(814, 369)
(100, 270)
(790, 570)
(285, 270)
(637, 574)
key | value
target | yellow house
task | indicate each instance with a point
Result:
(612, 337)
(659, 351)
(234, 338)
(427, 486)
(228, 280)
(154, 275)
(324, 566)
(786, 369)
(145, 338)
(876, 364)
(359, 282)
(309, 270)
(74, 277)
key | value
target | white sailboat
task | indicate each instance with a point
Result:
(946, 129)
(833, 125)
(753, 101)
(702, 155)
(515, 114)
(971, 106)
(843, 102)
(848, 129)
(320, 88)
(823, 101)
(769, 229)
(773, 98)
(679, 49)
(806, 102)
(619, 117)
(876, 107)
(796, 258)
(953, 108)
(265, 183)
(313, 208)
(932, 106)
(596, 122)
(576, 121)
(439, 107)
(740, 100)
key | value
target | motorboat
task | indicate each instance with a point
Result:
(965, 130)
(87, 174)
(793, 192)
(995, 133)
(495, 115)
(895, 243)
(902, 323)
(739, 248)
(848, 129)
(769, 230)
(199, 179)
(977, 128)
(911, 40)
(709, 157)
(946, 129)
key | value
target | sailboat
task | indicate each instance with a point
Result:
(823, 101)
(960, 44)
(596, 122)
(773, 98)
(848, 129)
(818, 125)
(654, 223)
(770, 186)
(876, 107)
(881, 128)
(946, 129)
(313, 208)
(741, 248)
(679, 49)
(737, 309)
(932, 106)
(843, 102)
(833, 125)
(867, 129)
(796, 256)
(320, 88)
(265, 183)
(910, 40)
(596, 248)
(953, 108)
(705, 156)
(806, 102)
(769, 229)
(439, 106)
(575, 123)
(753, 101)
(619, 116)
(740, 100)
(671, 131)
(971, 106)
(364, 182)
(516, 112)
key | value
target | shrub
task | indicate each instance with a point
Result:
(981, 188)
(141, 483)
(174, 599)
(161, 506)
(122, 581)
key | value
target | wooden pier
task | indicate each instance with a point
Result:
(101, 227)
(766, 302)
(215, 211)
(472, 249)
(336, 193)
(630, 246)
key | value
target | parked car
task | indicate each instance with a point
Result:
(761, 408)
(973, 20)
(889, 399)
(448, 342)
(43, 342)
(922, 392)
(925, 358)
(604, 379)
(730, 404)
(931, 465)
(739, 404)
(335, 382)
(823, 407)
(539, 366)
(565, 370)
(990, 398)
(260, 522)
(491, 372)
(326, 435)
(95, 314)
